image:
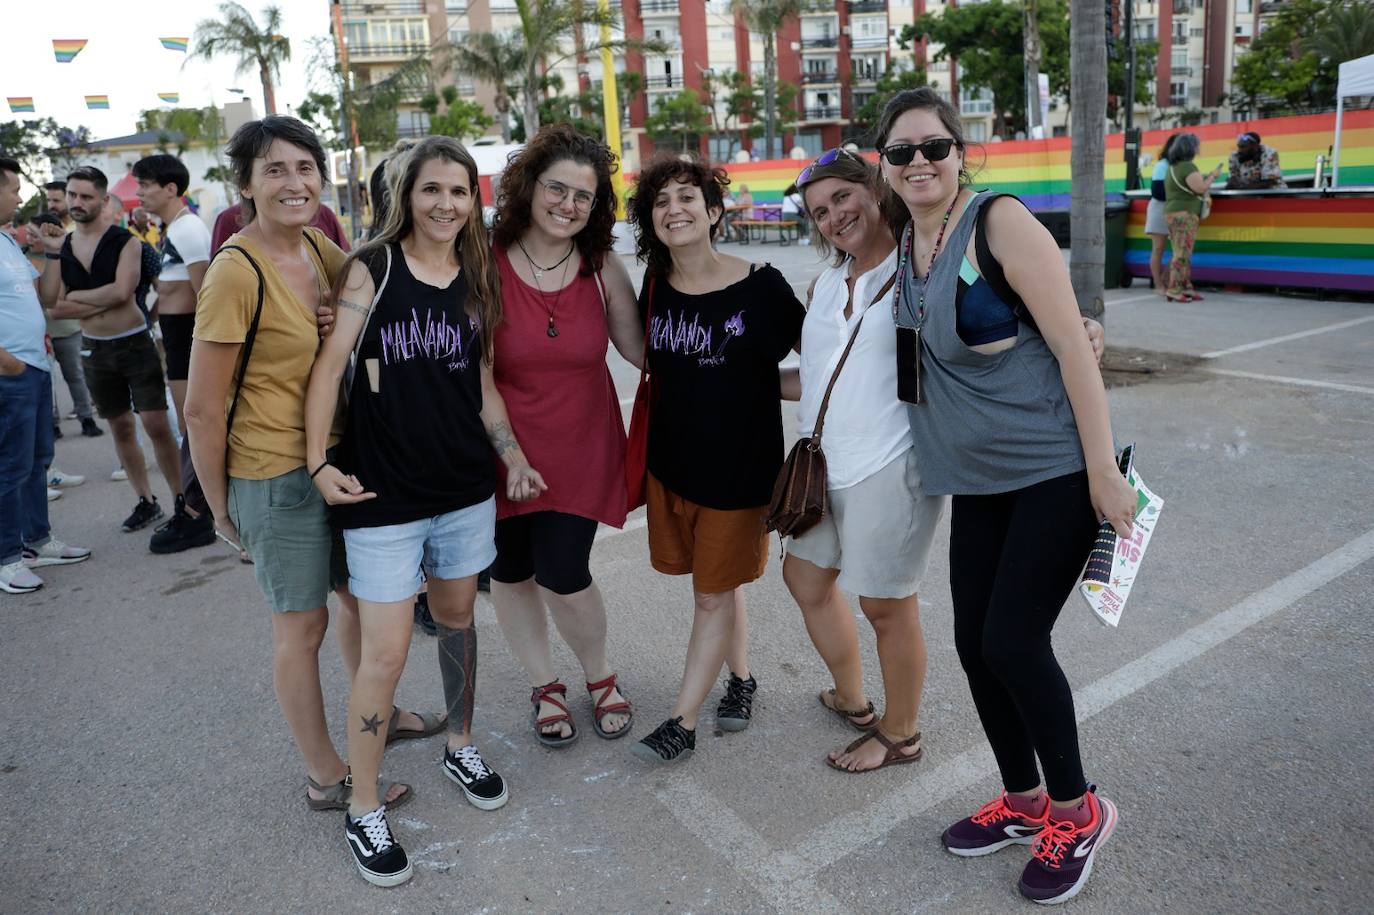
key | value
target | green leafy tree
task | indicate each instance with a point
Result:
(1344, 33)
(460, 118)
(864, 119)
(371, 107)
(766, 17)
(987, 40)
(42, 147)
(1292, 66)
(680, 118)
(182, 129)
(1145, 54)
(494, 58)
(234, 33)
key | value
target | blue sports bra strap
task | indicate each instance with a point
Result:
(989, 266)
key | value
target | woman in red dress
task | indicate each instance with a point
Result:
(564, 300)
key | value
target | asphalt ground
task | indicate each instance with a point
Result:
(145, 766)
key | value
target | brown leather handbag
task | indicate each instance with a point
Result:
(799, 496)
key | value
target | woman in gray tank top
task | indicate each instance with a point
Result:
(1009, 416)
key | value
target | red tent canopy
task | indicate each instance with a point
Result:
(126, 189)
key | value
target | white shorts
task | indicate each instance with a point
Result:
(878, 532)
(1154, 218)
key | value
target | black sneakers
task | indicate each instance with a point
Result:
(423, 618)
(737, 705)
(183, 532)
(380, 860)
(485, 789)
(90, 429)
(669, 742)
(144, 514)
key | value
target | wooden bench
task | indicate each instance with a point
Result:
(753, 229)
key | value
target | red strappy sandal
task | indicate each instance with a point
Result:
(600, 708)
(546, 694)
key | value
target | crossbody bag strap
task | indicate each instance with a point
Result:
(367, 320)
(835, 376)
(249, 338)
(1183, 186)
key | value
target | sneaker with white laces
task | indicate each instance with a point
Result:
(119, 475)
(54, 494)
(16, 578)
(54, 553)
(1062, 859)
(59, 480)
(484, 789)
(380, 859)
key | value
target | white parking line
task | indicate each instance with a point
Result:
(1260, 344)
(1300, 382)
(786, 878)
(1129, 299)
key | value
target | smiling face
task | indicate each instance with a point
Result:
(845, 212)
(441, 200)
(285, 185)
(921, 183)
(681, 216)
(84, 201)
(569, 180)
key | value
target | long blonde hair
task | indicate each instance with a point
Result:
(472, 245)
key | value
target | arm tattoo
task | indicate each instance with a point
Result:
(502, 438)
(354, 306)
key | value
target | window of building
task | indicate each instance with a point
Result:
(1244, 29)
(412, 123)
(1178, 94)
(869, 26)
(1245, 6)
(1180, 31)
(810, 141)
(457, 36)
(976, 131)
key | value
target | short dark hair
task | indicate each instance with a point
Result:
(664, 168)
(49, 218)
(9, 165)
(163, 169)
(92, 174)
(251, 142)
(55, 186)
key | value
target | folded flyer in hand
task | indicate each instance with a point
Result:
(1114, 561)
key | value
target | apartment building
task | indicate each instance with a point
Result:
(1199, 42)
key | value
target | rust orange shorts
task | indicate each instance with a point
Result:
(721, 549)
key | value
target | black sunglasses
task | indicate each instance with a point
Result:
(931, 150)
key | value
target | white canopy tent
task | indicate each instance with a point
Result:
(1356, 79)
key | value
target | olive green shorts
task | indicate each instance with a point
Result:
(284, 523)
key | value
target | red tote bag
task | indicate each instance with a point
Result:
(637, 445)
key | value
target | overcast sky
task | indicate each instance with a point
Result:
(125, 60)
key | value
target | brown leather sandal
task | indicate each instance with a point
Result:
(546, 693)
(847, 716)
(431, 723)
(894, 757)
(601, 708)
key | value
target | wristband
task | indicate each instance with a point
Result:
(52, 257)
(317, 470)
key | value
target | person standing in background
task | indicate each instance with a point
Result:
(143, 228)
(65, 333)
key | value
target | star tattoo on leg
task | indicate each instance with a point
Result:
(370, 725)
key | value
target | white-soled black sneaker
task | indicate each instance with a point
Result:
(484, 789)
(380, 860)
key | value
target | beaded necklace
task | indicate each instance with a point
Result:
(907, 236)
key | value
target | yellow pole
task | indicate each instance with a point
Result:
(611, 110)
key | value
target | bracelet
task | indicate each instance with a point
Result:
(317, 470)
(52, 257)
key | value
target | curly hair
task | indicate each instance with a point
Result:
(518, 187)
(664, 168)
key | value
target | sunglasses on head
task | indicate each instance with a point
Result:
(826, 158)
(931, 150)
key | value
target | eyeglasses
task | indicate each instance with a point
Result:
(826, 158)
(900, 154)
(557, 192)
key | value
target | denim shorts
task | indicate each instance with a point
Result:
(284, 525)
(384, 562)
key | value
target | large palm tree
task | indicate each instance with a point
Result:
(766, 17)
(1345, 33)
(1088, 117)
(236, 34)
(493, 58)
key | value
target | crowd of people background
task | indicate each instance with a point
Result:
(437, 402)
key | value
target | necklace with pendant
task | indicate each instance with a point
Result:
(538, 270)
(552, 330)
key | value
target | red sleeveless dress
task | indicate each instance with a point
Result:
(562, 403)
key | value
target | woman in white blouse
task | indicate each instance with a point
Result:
(875, 539)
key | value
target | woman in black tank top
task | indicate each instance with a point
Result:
(412, 484)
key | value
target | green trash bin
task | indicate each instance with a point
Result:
(1116, 275)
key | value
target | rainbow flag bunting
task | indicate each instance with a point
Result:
(20, 104)
(97, 101)
(175, 44)
(66, 49)
(171, 98)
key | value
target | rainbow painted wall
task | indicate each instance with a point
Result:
(1037, 171)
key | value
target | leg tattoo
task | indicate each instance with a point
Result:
(370, 725)
(458, 667)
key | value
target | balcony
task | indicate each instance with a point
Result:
(658, 8)
(1268, 7)
(868, 41)
(811, 77)
(1181, 71)
(827, 113)
(1183, 7)
(663, 83)
(370, 53)
(867, 6)
(411, 132)
(819, 41)
(360, 8)
(817, 7)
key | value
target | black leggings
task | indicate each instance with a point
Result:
(1014, 559)
(554, 547)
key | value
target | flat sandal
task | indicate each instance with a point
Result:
(894, 757)
(847, 716)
